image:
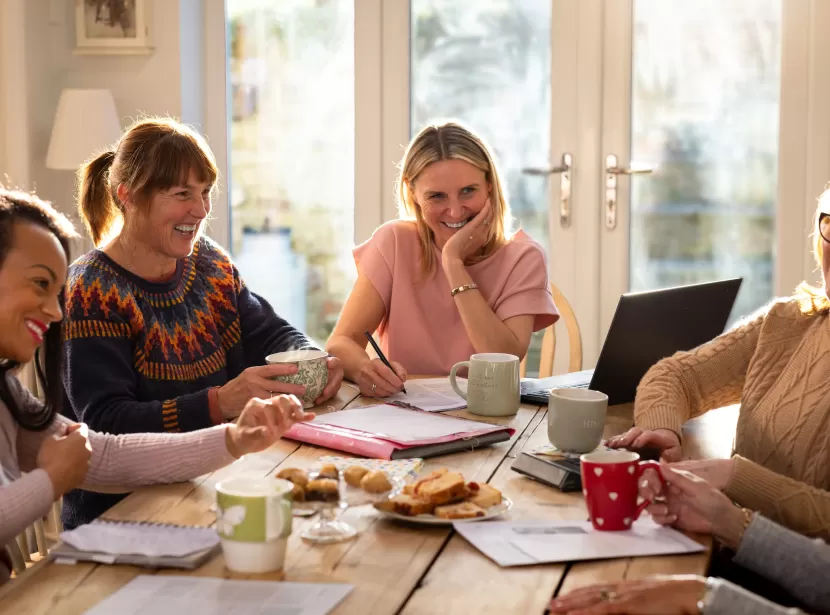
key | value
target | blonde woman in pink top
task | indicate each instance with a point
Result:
(445, 280)
(42, 454)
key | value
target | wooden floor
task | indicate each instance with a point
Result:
(395, 568)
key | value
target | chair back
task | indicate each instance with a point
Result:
(548, 354)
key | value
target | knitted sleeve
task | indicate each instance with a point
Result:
(100, 363)
(691, 383)
(794, 562)
(793, 504)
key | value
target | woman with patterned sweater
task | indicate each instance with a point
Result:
(161, 333)
(777, 365)
(55, 453)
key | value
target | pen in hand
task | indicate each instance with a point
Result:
(381, 356)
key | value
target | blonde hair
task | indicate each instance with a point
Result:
(153, 154)
(811, 299)
(450, 141)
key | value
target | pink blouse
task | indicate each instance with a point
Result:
(422, 329)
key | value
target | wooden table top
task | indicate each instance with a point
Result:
(395, 568)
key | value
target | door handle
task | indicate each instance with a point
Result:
(611, 173)
(564, 171)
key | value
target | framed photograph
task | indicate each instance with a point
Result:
(119, 27)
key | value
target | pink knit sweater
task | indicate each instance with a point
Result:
(121, 462)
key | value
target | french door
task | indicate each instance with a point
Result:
(644, 143)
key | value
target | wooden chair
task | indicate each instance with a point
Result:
(36, 535)
(549, 340)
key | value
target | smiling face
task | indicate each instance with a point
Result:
(450, 193)
(172, 223)
(31, 278)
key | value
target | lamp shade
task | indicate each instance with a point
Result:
(85, 123)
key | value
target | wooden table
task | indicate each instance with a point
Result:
(394, 568)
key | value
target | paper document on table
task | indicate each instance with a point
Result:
(402, 424)
(518, 543)
(174, 595)
(430, 394)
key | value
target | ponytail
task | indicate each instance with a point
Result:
(96, 206)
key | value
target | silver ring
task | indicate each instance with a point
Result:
(486, 223)
(607, 596)
(374, 387)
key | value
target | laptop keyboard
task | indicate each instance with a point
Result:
(543, 395)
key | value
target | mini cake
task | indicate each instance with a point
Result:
(354, 474)
(322, 490)
(298, 477)
(376, 481)
(329, 470)
(297, 493)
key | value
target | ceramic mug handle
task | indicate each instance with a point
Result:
(642, 467)
(453, 382)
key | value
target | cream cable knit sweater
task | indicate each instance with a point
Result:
(777, 366)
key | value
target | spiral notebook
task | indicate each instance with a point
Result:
(151, 545)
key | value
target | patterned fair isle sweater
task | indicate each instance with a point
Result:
(141, 356)
(777, 366)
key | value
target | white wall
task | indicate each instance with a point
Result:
(170, 81)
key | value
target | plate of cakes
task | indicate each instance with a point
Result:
(443, 498)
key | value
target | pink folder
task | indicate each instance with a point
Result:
(372, 445)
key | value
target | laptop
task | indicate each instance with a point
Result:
(647, 327)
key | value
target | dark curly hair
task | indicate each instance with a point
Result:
(22, 207)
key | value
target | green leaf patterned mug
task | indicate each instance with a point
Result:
(254, 521)
(312, 371)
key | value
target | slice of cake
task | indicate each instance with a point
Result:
(441, 489)
(462, 510)
(406, 505)
(486, 496)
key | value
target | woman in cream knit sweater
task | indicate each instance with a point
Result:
(777, 365)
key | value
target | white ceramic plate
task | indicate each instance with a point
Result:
(492, 512)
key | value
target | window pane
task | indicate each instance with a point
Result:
(292, 154)
(705, 108)
(486, 63)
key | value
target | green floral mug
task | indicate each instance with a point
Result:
(254, 521)
(312, 371)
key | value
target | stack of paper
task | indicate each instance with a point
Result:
(518, 543)
(429, 394)
(172, 595)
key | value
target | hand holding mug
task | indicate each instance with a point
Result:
(609, 482)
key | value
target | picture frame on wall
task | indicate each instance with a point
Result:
(113, 27)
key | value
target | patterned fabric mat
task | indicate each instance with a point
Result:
(405, 469)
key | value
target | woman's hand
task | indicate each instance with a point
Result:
(335, 368)
(663, 439)
(470, 238)
(66, 458)
(717, 472)
(692, 504)
(676, 595)
(386, 382)
(263, 422)
(256, 382)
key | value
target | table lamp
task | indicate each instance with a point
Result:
(85, 123)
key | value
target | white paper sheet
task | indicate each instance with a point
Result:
(517, 543)
(174, 595)
(401, 424)
(140, 539)
(431, 394)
